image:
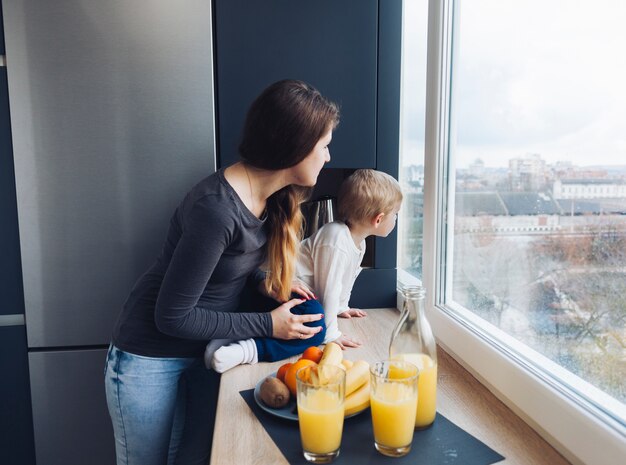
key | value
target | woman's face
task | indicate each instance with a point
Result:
(305, 173)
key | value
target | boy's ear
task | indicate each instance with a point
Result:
(378, 219)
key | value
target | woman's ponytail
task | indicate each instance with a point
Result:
(284, 220)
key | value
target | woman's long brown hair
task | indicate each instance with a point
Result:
(282, 127)
(285, 226)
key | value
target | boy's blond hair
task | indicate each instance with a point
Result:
(366, 193)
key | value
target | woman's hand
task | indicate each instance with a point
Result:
(345, 341)
(298, 287)
(353, 312)
(286, 325)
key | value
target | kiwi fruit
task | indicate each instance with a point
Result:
(274, 393)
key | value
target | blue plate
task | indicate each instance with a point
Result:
(289, 411)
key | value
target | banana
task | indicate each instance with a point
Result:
(332, 355)
(347, 364)
(358, 400)
(357, 376)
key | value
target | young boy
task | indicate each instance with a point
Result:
(329, 263)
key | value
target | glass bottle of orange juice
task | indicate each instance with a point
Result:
(412, 340)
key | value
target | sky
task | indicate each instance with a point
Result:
(546, 77)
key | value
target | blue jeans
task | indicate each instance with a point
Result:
(162, 409)
(271, 350)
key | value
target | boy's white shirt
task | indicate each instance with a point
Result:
(329, 262)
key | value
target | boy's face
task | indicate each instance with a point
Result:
(388, 222)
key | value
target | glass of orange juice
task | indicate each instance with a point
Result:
(393, 402)
(320, 398)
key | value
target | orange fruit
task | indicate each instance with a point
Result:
(280, 374)
(313, 353)
(290, 376)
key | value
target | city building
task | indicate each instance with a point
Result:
(588, 188)
(528, 174)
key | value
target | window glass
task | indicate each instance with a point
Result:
(413, 104)
(538, 159)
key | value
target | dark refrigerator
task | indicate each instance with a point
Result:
(111, 108)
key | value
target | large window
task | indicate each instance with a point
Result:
(413, 110)
(527, 159)
(539, 107)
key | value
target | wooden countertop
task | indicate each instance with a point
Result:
(240, 439)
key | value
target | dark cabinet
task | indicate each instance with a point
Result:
(1, 32)
(11, 292)
(331, 44)
(16, 440)
(348, 49)
(16, 427)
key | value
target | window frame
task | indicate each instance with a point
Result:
(577, 428)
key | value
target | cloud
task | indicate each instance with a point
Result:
(536, 76)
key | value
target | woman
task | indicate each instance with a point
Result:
(160, 397)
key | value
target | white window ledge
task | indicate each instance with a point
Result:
(580, 431)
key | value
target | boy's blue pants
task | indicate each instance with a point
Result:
(271, 350)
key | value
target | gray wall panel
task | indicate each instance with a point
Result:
(111, 108)
(70, 416)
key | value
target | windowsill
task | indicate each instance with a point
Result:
(577, 433)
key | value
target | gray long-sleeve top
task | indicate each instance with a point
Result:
(190, 294)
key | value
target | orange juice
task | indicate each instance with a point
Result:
(393, 408)
(426, 387)
(320, 414)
